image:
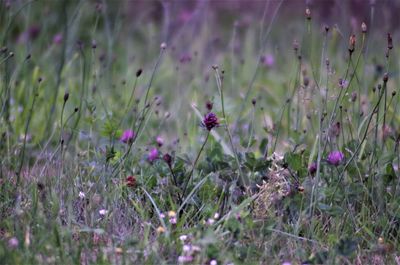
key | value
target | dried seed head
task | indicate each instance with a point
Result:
(295, 45)
(385, 77)
(306, 81)
(363, 27)
(354, 96)
(352, 43)
(389, 41)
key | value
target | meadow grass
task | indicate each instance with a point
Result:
(129, 140)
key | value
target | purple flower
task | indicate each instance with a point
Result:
(58, 38)
(127, 136)
(268, 60)
(312, 168)
(335, 158)
(210, 121)
(343, 83)
(185, 58)
(160, 141)
(153, 155)
(13, 242)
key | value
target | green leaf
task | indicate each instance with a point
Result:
(294, 161)
(346, 247)
(389, 175)
(263, 145)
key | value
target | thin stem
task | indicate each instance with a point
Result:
(194, 164)
(244, 180)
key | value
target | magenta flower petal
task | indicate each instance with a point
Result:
(127, 136)
(153, 155)
(335, 158)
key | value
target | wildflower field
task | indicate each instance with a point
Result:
(199, 132)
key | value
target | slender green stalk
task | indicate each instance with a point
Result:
(245, 181)
(194, 164)
(28, 121)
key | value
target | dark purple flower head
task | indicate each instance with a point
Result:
(312, 168)
(209, 105)
(335, 158)
(210, 121)
(127, 136)
(168, 159)
(33, 32)
(153, 155)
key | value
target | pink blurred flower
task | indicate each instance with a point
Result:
(268, 60)
(127, 136)
(160, 141)
(185, 15)
(185, 259)
(153, 155)
(13, 242)
(335, 158)
(58, 38)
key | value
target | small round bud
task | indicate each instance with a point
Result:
(306, 81)
(326, 27)
(40, 79)
(76, 109)
(295, 45)
(11, 54)
(363, 27)
(254, 101)
(139, 72)
(94, 44)
(209, 105)
(393, 93)
(385, 77)
(352, 43)
(308, 13)
(167, 159)
(66, 96)
(354, 96)
(163, 46)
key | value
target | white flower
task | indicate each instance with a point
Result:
(186, 248)
(103, 212)
(216, 215)
(82, 195)
(210, 221)
(183, 237)
(213, 262)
